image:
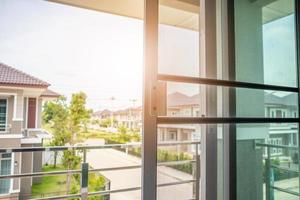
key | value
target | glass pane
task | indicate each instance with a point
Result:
(265, 42)
(267, 161)
(186, 100)
(177, 160)
(178, 46)
(5, 169)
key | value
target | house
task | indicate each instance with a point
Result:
(181, 105)
(130, 118)
(283, 105)
(178, 105)
(21, 98)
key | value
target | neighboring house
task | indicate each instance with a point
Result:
(21, 98)
(130, 118)
(281, 106)
(178, 104)
(181, 105)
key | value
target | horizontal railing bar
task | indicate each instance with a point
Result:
(58, 197)
(224, 83)
(276, 146)
(223, 120)
(179, 162)
(187, 142)
(78, 171)
(285, 190)
(176, 183)
(284, 168)
(89, 147)
(101, 193)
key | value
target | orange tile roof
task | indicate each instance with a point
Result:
(10, 76)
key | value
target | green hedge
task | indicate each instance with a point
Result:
(162, 156)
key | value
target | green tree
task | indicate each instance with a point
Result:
(79, 115)
(66, 122)
(55, 113)
(107, 122)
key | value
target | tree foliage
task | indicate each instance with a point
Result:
(66, 122)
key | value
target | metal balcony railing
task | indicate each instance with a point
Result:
(269, 170)
(85, 170)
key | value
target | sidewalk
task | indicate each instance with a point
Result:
(132, 177)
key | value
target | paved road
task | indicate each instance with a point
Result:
(132, 177)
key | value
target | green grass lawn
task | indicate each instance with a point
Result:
(56, 185)
(50, 185)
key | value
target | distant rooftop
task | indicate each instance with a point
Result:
(10, 76)
(50, 93)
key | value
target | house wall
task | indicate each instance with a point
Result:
(37, 164)
(14, 118)
(26, 167)
(39, 112)
(25, 103)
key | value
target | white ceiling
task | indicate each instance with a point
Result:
(181, 13)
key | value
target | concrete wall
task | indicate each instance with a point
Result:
(26, 167)
(39, 113)
(37, 164)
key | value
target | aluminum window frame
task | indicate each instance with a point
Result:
(6, 117)
(150, 106)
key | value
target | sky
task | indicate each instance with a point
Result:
(101, 54)
(74, 49)
(280, 52)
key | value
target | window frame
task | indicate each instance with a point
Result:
(6, 117)
(11, 170)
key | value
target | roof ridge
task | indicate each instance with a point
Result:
(12, 69)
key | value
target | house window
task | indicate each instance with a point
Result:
(196, 136)
(278, 113)
(272, 114)
(294, 114)
(172, 135)
(3, 111)
(5, 169)
(276, 141)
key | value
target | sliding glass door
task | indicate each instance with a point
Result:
(225, 73)
(265, 52)
(5, 169)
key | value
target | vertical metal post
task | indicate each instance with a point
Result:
(84, 180)
(208, 68)
(196, 175)
(268, 174)
(149, 139)
(84, 155)
(297, 29)
(107, 188)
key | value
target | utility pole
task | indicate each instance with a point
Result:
(111, 112)
(131, 121)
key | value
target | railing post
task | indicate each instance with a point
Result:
(107, 188)
(84, 180)
(84, 155)
(196, 175)
(269, 176)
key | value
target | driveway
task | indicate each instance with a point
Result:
(103, 158)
